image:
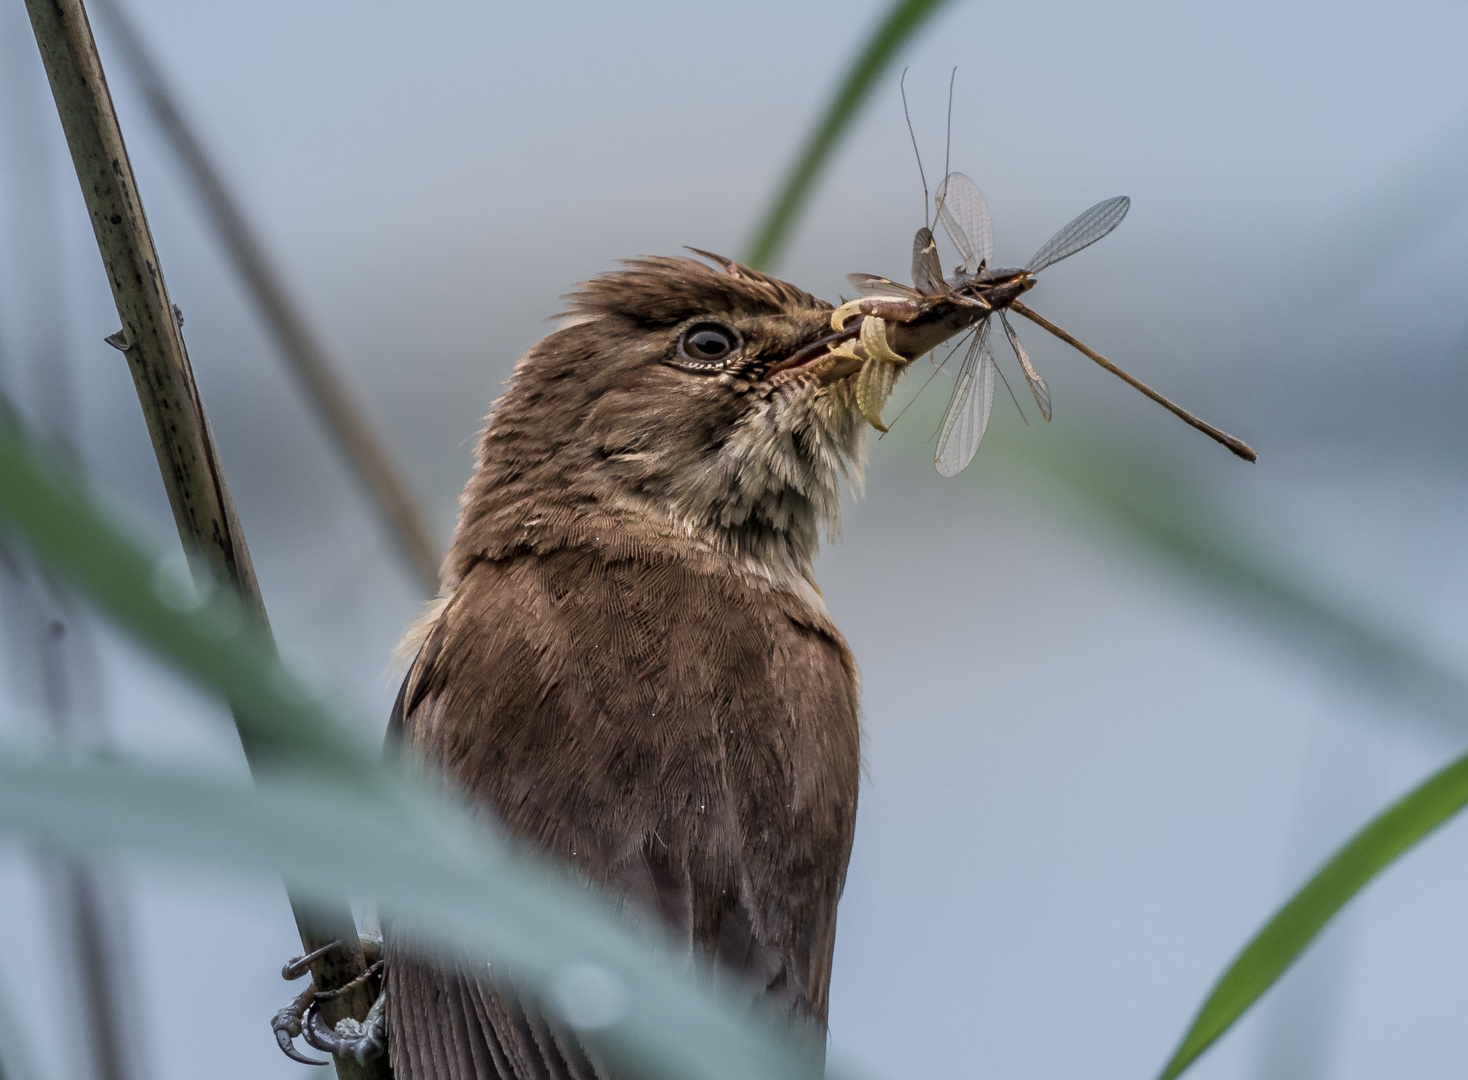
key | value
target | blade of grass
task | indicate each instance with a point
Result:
(435, 873)
(81, 896)
(1291, 929)
(898, 26)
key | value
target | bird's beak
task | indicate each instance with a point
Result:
(876, 350)
(827, 359)
(911, 331)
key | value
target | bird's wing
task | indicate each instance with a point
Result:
(648, 725)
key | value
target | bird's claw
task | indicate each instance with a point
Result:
(287, 1026)
(299, 965)
(362, 1041)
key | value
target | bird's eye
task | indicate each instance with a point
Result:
(707, 344)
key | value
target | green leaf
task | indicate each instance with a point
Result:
(432, 871)
(901, 23)
(333, 815)
(1295, 925)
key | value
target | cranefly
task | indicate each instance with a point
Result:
(985, 291)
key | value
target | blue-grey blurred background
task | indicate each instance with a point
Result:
(1089, 776)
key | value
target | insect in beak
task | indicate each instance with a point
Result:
(907, 321)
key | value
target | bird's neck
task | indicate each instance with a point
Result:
(770, 542)
(756, 504)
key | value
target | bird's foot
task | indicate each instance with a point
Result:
(360, 1040)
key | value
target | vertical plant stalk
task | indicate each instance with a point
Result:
(90, 921)
(96, 958)
(307, 358)
(152, 342)
(42, 621)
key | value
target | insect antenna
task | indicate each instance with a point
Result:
(947, 149)
(902, 89)
(948, 137)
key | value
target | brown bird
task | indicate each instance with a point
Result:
(631, 665)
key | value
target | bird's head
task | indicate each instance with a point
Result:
(712, 403)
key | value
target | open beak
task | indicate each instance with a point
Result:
(827, 360)
(836, 355)
(874, 339)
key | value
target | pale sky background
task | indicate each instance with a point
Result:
(1088, 781)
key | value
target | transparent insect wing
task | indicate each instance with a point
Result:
(969, 408)
(873, 285)
(1037, 384)
(927, 273)
(1082, 232)
(965, 217)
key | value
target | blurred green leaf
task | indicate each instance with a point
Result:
(1295, 925)
(433, 873)
(901, 23)
(335, 816)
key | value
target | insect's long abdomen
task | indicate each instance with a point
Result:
(1238, 446)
